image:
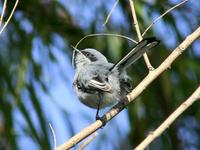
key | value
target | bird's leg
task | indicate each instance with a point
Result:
(97, 113)
(99, 103)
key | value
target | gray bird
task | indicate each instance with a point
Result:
(99, 83)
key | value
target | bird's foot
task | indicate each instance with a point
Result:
(102, 120)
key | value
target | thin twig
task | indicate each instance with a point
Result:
(146, 59)
(105, 34)
(166, 12)
(134, 94)
(88, 141)
(11, 14)
(101, 34)
(153, 135)
(135, 20)
(110, 13)
(3, 11)
(54, 136)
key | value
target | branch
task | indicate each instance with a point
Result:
(148, 64)
(100, 34)
(54, 136)
(194, 97)
(105, 34)
(88, 141)
(166, 12)
(11, 14)
(135, 93)
(110, 13)
(3, 11)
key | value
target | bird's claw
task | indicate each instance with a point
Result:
(101, 119)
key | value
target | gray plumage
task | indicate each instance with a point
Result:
(99, 83)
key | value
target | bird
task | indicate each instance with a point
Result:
(99, 83)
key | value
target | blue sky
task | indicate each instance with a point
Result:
(58, 76)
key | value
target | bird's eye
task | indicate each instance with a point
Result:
(78, 85)
(89, 55)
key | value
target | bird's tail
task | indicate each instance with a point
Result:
(136, 53)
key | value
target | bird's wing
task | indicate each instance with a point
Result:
(136, 53)
(97, 85)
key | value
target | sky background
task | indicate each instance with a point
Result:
(60, 104)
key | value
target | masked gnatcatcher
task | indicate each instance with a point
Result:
(99, 83)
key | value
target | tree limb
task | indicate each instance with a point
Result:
(166, 12)
(8, 20)
(146, 59)
(110, 13)
(54, 136)
(194, 97)
(88, 141)
(3, 11)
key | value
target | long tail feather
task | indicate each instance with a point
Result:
(136, 53)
